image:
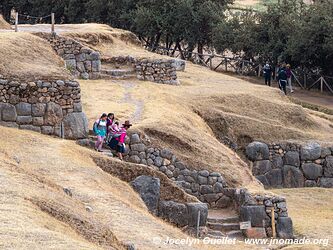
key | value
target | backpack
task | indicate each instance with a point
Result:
(95, 126)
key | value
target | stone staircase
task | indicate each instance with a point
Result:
(110, 72)
(223, 223)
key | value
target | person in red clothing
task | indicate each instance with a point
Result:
(118, 143)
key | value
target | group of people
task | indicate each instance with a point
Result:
(107, 129)
(284, 75)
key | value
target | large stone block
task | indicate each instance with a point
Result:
(23, 109)
(328, 166)
(75, 126)
(292, 158)
(53, 114)
(312, 171)
(255, 214)
(23, 120)
(174, 212)
(134, 159)
(257, 151)
(326, 182)
(263, 180)
(149, 189)
(284, 228)
(310, 151)
(292, 177)
(135, 139)
(31, 127)
(261, 167)
(8, 112)
(277, 161)
(274, 178)
(38, 109)
(193, 211)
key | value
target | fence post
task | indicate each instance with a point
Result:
(259, 70)
(226, 64)
(273, 223)
(16, 21)
(198, 224)
(52, 23)
(321, 84)
(304, 80)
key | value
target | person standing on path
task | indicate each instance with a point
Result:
(282, 79)
(109, 122)
(289, 74)
(267, 74)
(118, 143)
(100, 131)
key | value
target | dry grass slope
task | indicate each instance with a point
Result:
(29, 57)
(4, 24)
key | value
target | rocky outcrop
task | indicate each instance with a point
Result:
(291, 165)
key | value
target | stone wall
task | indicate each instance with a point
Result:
(205, 185)
(80, 60)
(154, 70)
(157, 70)
(48, 107)
(291, 165)
(211, 188)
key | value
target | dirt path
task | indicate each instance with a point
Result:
(137, 114)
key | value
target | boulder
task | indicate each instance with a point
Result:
(53, 114)
(75, 126)
(174, 212)
(310, 151)
(134, 159)
(149, 189)
(135, 138)
(292, 158)
(261, 167)
(166, 153)
(206, 189)
(292, 177)
(8, 112)
(312, 171)
(284, 228)
(255, 214)
(274, 178)
(326, 182)
(204, 173)
(257, 151)
(328, 166)
(23, 109)
(193, 210)
(158, 161)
